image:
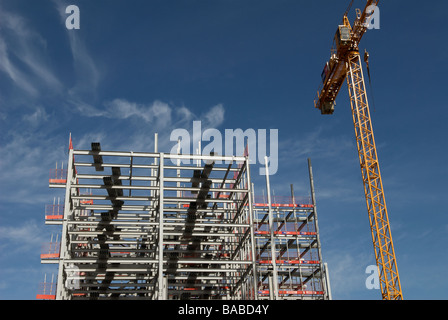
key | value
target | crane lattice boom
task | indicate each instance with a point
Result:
(345, 62)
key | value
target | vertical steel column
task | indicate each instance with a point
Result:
(178, 192)
(327, 282)
(131, 161)
(61, 292)
(161, 180)
(153, 183)
(271, 229)
(252, 237)
(292, 195)
(316, 225)
(271, 287)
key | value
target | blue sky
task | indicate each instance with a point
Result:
(139, 67)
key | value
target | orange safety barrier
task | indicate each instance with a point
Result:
(58, 176)
(54, 217)
(300, 292)
(54, 212)
(50, 250)
(295, 233)
(289, 261)
(79, 294)
(49, 255)
(46, 296)
(286, 205)
(46, 291)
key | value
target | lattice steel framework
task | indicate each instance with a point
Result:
(155, 226)
(160, 226)
(373, 185)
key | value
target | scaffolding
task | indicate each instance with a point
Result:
(172, 226)
(289, 258)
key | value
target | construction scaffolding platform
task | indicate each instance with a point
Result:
(288, 251)
(47, 289)
(171, 226)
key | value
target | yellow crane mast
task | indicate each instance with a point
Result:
(345, 62)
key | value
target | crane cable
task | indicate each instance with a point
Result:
(366, 60)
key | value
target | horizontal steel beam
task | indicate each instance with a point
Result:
(157, 155)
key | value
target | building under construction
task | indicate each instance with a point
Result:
(138, 225)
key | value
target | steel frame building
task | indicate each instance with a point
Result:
(139, 225)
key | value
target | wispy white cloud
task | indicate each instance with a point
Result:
(214, 117)
(84, 142)
(24, 164)
(79, 106)
(37, 117)
(24, 237)
(23, 56)
(347, 273)
(160, 113)
(17, 76)
(87, 74)
(29, 150)
(144, 120)
(14, 285)
(85, 68)
(27, 233)
(157, 112)
(319, 143)
(335, 156)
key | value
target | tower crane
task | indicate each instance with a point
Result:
(345, 63)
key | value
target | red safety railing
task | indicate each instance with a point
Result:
(58, 176)
(286, 233)
(46, 291)
(283, 201)
(86, 201)
(289, 262)
(293, 292)
(54, 212)
(50, 250)
(262, 201)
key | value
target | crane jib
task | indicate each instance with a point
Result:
(345, 63)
